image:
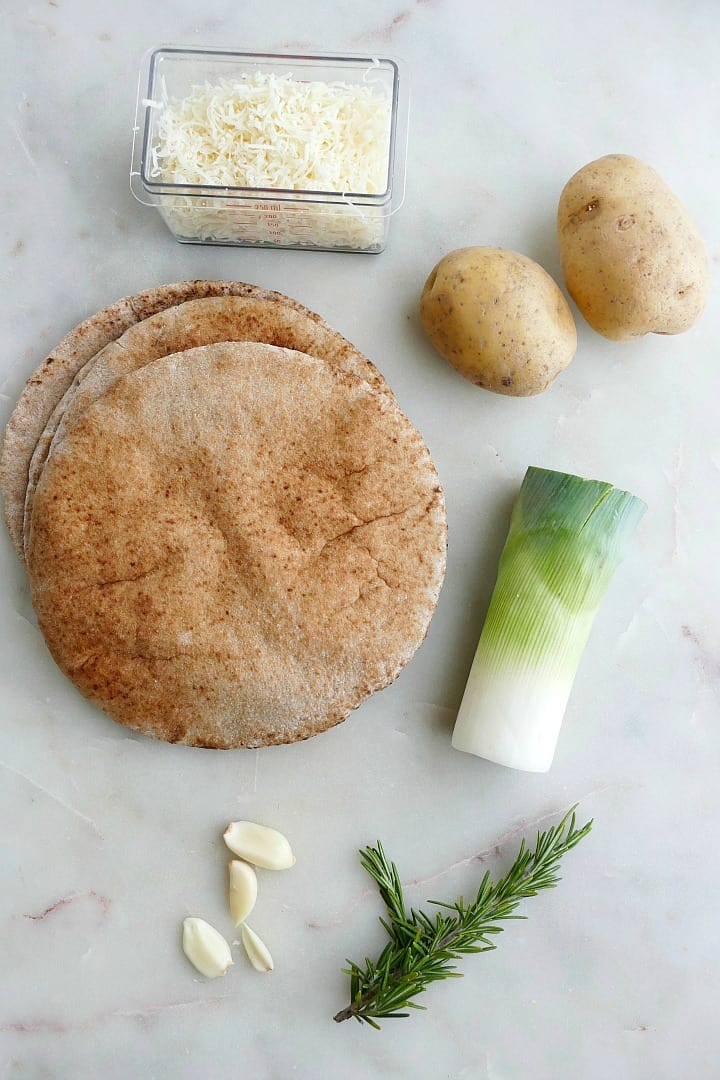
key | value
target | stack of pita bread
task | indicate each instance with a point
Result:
(232, 533)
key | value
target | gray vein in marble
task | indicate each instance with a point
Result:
(168, 1006)
(103, 901)
(495, 849)
(25, 619)
(35, 1026)
(387, 30)
(706, 665)
(56, 798)
(341, 919)
(25, 148)
(42, 1024)
(674, 480)
(521, 828)
(433, 705)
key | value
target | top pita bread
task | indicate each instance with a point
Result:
(47, 385)
(234, 545)
(188, 325)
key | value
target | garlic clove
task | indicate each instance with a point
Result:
(243, 890)
(257, 951)
(205, 948)
(259, 845)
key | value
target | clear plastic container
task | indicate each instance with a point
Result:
(267, 216)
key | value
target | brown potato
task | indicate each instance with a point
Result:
(499, 319)
(633, 259)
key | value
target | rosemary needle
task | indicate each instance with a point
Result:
(421, 947)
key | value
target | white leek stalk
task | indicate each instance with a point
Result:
(567, 536)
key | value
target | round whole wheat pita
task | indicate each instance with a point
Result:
(235, 545)
(48, 383)
(188, 325)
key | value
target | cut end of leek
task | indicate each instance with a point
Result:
(567, 536)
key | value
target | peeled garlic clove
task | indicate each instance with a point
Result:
(259, 845)
(243, 890)
(205, 948)
(258, 952)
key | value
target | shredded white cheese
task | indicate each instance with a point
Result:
(272, 132)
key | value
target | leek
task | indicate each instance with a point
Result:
(566, 537)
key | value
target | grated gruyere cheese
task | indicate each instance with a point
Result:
(268, 131)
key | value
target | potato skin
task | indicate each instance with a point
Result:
(499, 319)
(632, 257)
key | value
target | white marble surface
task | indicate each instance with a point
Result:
(107, 840)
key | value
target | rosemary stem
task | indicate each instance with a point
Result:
(421, 948)
(358, 1007)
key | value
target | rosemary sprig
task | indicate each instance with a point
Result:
(421, 947)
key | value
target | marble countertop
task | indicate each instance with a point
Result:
(108, 840)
